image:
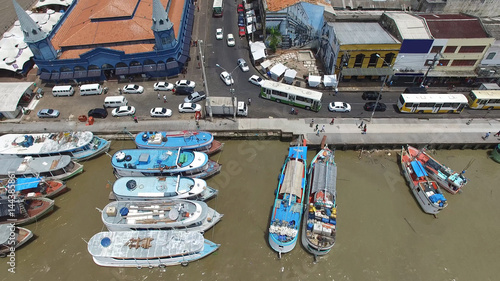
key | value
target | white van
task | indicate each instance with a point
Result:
(115, 101)
(90, 89)
(60, 91)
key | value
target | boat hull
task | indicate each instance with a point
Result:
(38, 208)
(186, 140)
(22, 235)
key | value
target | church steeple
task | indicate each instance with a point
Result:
(34, 36)
(162, 27)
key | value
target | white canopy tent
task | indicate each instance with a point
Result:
(258, 50)
(290, 75)
(10, 94)
(265, 65)
(277, 71)
(330, 80)
(314, 80)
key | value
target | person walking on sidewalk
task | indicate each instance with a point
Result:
(333, 121)
(361, 125)
(164, 98)
(316, 127)
(249, 101)
(323, 128)
(497, 134)
(364, 130)
(486, 136)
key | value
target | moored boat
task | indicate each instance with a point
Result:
(79, 145)
(12, 237)
(36, 187)
(425, 190)
(287, 208)
(59, 167)
(186, 140)
(495, 154)
(23, 211)
(161, 188)
(320, 210)
(159, 162)
(446, 178)
(159, 215)
(150, 248)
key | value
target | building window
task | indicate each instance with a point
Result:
(450, 49)
(389, 58)
(436, 49)
(491, 56)
(373, 60)
(359, 60)
(471, 49)
(463, 62)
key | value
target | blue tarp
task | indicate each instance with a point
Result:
(26, 183)
(437, 197)
(418, 168)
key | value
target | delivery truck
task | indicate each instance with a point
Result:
(226, 106)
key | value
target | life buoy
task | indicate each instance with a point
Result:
(128, 157)
(120, 156)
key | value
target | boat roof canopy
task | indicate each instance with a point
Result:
(418, 168)
(292, 183)
(27, 183)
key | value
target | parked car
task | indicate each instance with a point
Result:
(189, 107)
(242, 31)
(185, 83)
(182, 90)
(230, 40)
(219, 35)
(370, 105)
(163, 86)
(160, 112)
(133, 89)
(371, 95)
(256, 80)
(240, 8)
(123, 111)
(243, 65)
(98, 113)
(241, 22)
(339, 107)
(228, 80)
(195, 97)
(48, 113)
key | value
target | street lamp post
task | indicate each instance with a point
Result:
(434, 60)
(381, 89)
(231, 90)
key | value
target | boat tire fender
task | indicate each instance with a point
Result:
(139, 267)
(162, 265)
(184, 263)
(128, 157)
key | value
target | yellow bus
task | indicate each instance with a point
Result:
(432, 103)
(484, 99)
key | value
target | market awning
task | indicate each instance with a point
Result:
(11, 93)
(367, 71)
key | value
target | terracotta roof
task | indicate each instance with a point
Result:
(94, 22)
(454, 26)
(277, 5)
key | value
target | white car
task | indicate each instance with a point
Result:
(195, 97)
(133, 89)
(160, 112)
(163, 86)
(230, 40)
(256, 80)
(228, 80)
(219, 35)
(243, 65)
(123, 111)
(189, 107)
(185, 83)
(339, 107)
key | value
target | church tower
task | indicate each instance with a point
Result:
(162, 27)
(34, 36)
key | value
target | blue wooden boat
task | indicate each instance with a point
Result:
(186, 140)
(158, 162)
(287, 209)
(161, 188)
(79, 145)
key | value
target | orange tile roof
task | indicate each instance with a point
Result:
(80, 30)
(276, 5)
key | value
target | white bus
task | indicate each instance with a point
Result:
(218, 8)
(296, 96)
(484, 99)
(432, 103)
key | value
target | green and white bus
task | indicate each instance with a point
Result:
(218, 8)
(296, 96)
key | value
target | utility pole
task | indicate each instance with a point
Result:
(434, 60)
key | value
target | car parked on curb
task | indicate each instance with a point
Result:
(242, 31)
(133, 89)
(256, 80)
(370, 105)
(243, 65)
(371, 95)
(185, 83)
(337, 106)
(160, 112)
(48, 113)
(189, 107)
(163, 86)
(240, 8)
(228, 80)
(219, 34)
(98, 113)
(195, 97)
(123, 111)
(241, 22)
(230, 40)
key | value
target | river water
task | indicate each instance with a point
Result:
(382, 232)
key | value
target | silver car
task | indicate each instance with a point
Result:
(195, 97)
(243, 65)
(48, 113)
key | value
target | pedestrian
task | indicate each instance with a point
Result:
(164, 98)
(333, 121)
(336, 91)
(497, 134)
(317, 133)
(292, 111)
(361, 125)
(120, 90)
(249, 101)
(135, 119)
(364, 130)
(312, 123)
(486, 136)
(158, 95)
(316, 127)
(323, 129)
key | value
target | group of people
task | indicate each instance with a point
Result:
(362, 126)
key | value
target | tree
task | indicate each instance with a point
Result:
(275, 36)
